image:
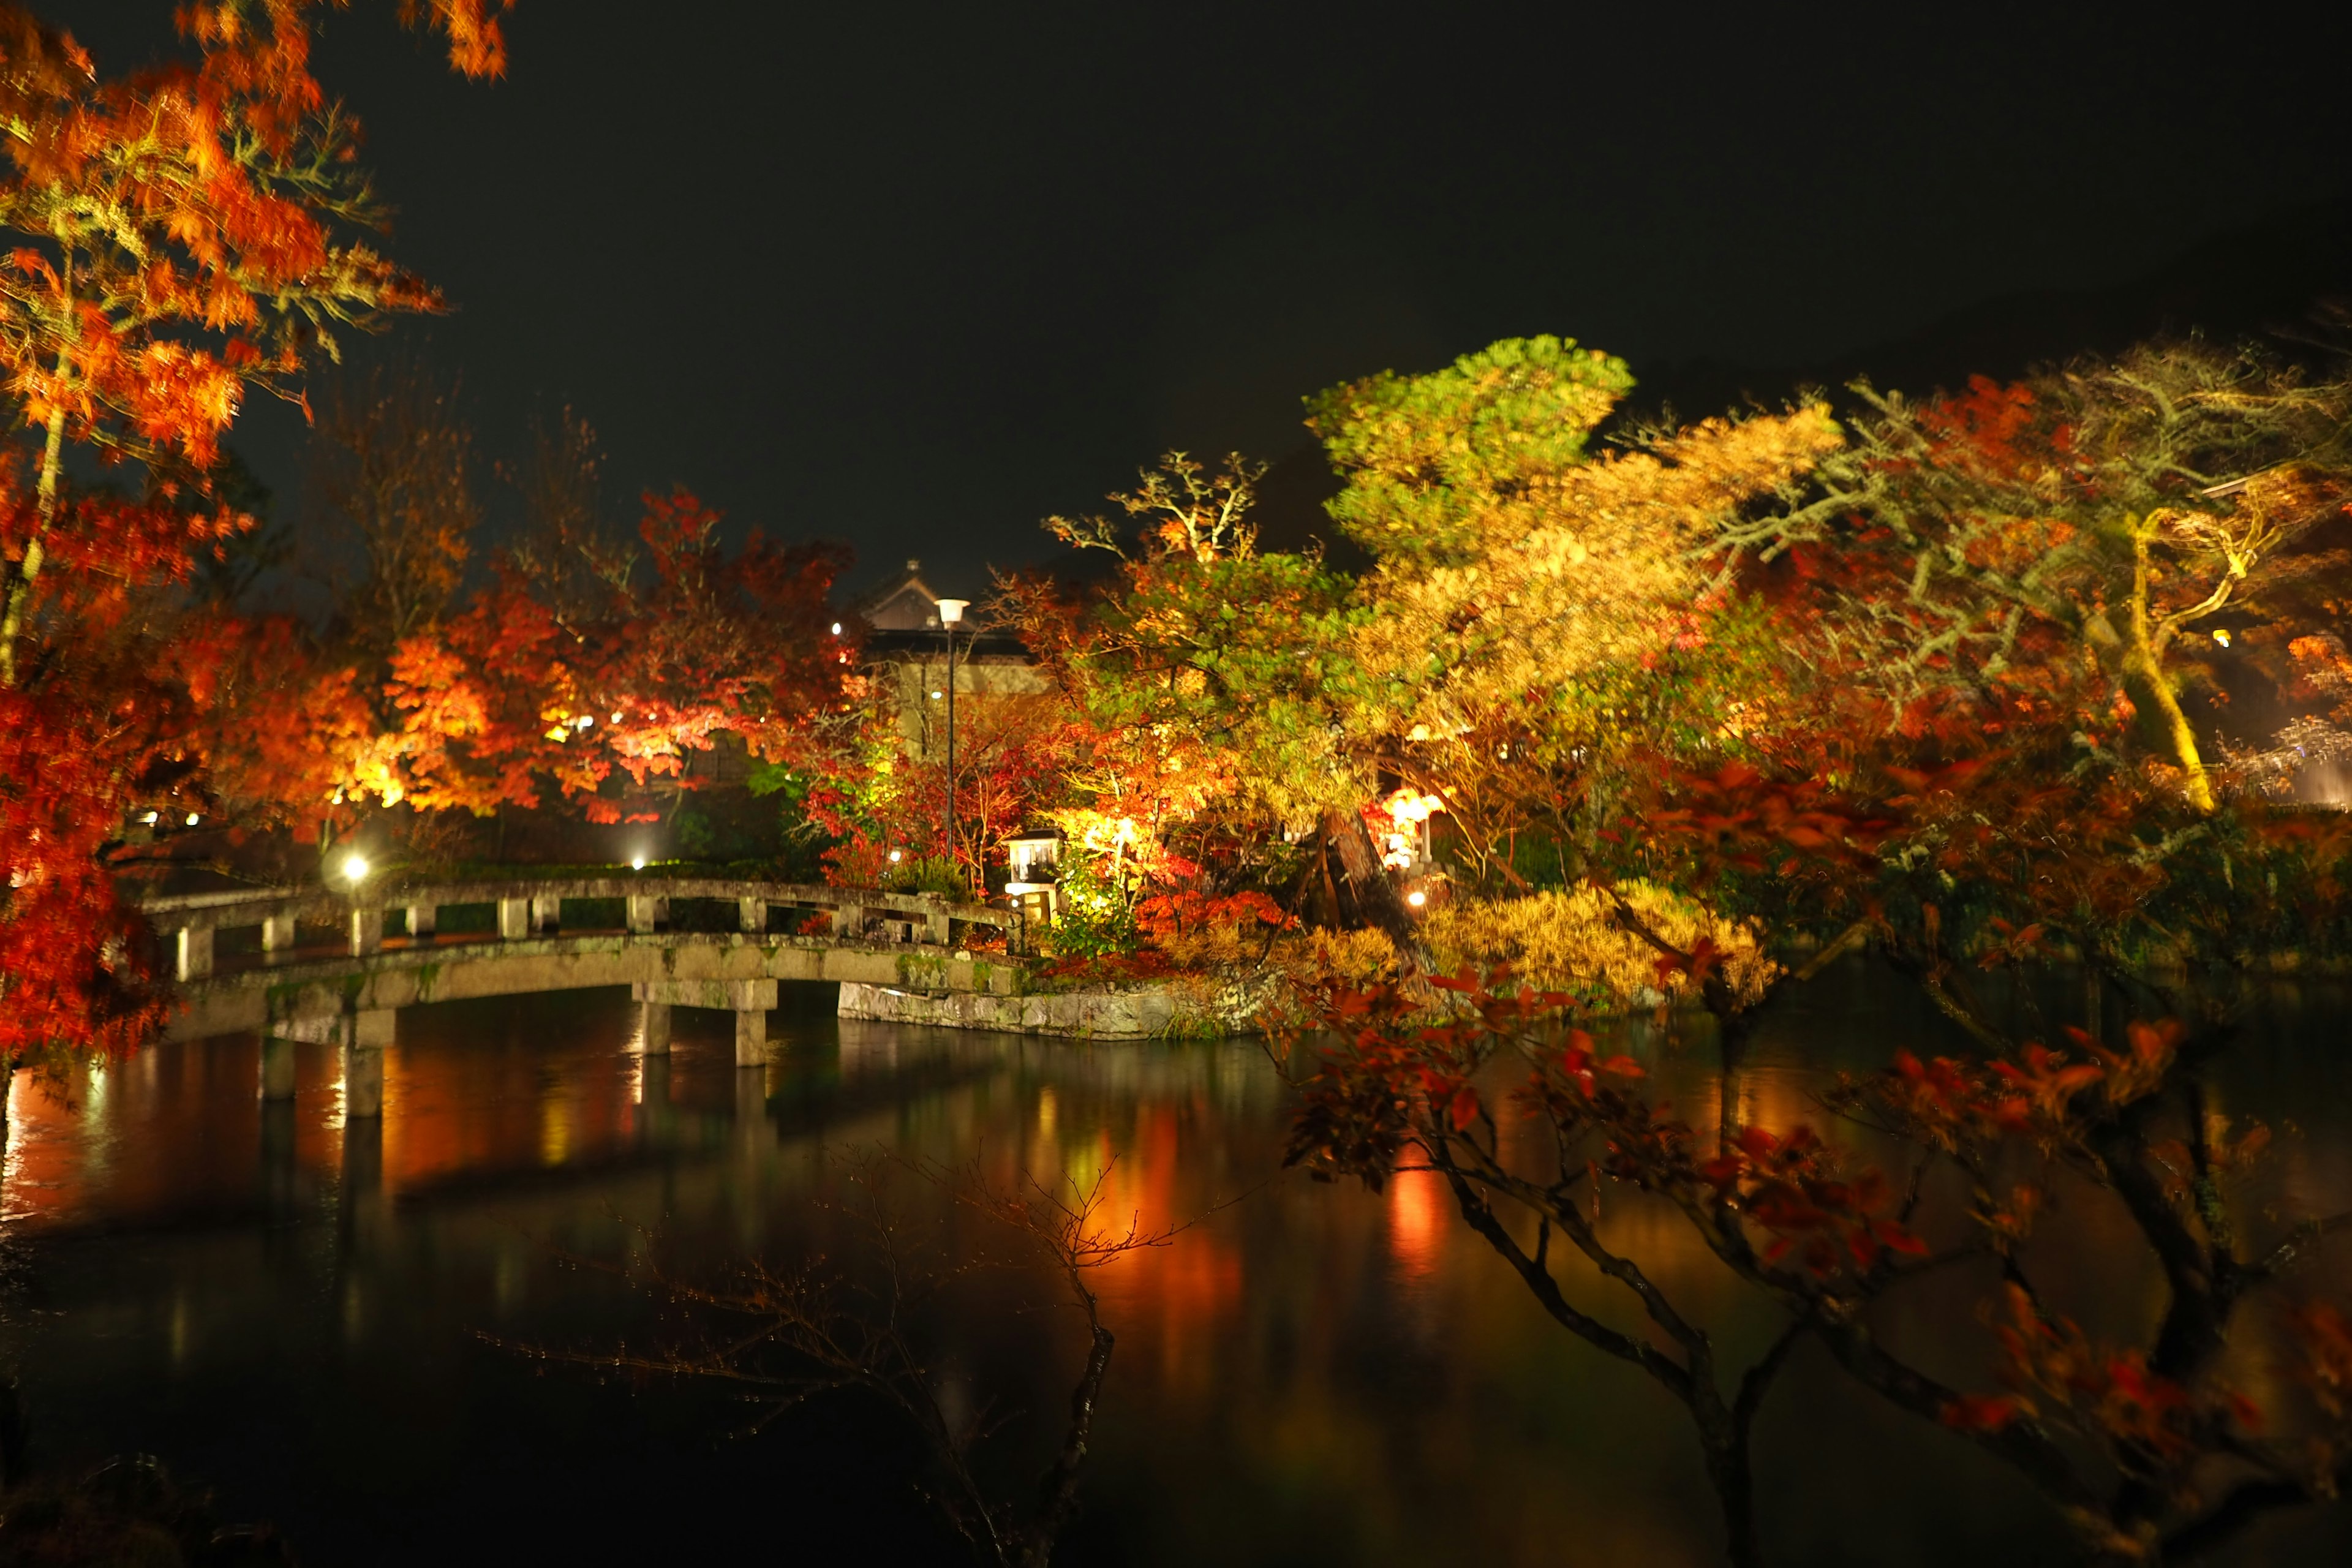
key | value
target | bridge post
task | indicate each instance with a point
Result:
(848, 922)
(751, 915)
(367, 932)
(546, 916)
(514, 918)
(421, 921)
(277, 935)
(645, 913)
(277, 1068)
(196, 954)
(934, 926)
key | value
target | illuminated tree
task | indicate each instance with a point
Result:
(1204, 678)
(2119, 506)
(1536, 617)
(391, 472)
(180, 236)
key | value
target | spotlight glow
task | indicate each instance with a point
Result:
(193, 818)
(637, 864)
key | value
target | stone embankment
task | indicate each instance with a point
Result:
(1186, 1009)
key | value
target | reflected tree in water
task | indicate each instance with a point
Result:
(866, 1324)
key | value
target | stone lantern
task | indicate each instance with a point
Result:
(1035, 885)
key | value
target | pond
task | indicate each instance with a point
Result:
(327, 1322)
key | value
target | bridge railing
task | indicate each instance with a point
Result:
(534, 907)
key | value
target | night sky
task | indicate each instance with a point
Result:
(915, 276)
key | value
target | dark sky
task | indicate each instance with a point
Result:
(914, 276)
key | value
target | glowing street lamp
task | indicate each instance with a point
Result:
(355, 868)
(950, 612)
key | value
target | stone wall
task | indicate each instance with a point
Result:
(1141, 1013)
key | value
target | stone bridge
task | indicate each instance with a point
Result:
(346, 982)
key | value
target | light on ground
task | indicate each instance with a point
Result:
(637, 864)
(356, 866)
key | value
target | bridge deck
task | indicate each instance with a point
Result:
(700, 968)
(529, 951)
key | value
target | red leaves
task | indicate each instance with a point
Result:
(1984, 1413)
(1173, 914)
(1703, 959)
(2048, 1094)
(1794, 1188)
(2324, 1337)
(2151, 1424)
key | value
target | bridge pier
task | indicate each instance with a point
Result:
(277, 1068)
(750, 1036)
(653, 1028)
(363, 1081)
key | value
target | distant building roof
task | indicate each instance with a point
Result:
(904, 614)
(903, 604)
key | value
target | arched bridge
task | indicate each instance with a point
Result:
(384, 948)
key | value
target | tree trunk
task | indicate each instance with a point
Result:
(1376, 897)
(1728, 1469)
(1057, 1498)
(2183, 735)
(20, 586)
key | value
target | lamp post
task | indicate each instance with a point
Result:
(950, 612)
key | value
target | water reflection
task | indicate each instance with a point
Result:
(281, 1297)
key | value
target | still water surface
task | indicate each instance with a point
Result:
(292, 1309)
